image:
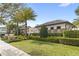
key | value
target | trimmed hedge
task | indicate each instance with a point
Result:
(68, 34)
(69, 41)
(71, 34)
(56, 34)
(61, 40)
(49, 34)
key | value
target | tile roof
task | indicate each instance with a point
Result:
(54, 22)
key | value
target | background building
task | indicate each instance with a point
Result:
(3, 29)
(57, 26)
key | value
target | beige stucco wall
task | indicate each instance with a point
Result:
(69, 26)
(55, 26)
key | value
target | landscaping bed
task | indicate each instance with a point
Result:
(50, 46)
(61, 40)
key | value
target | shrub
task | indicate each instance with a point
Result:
(14, 38)
(21, 37)
(62, 40)
(56, 34)
(9, 39)
(54, 39)
(71, 34)
(49, 34)
(35, 34)
(43, 31)
(70, 41)
(34, 37)
(49, 39)
(5, 39)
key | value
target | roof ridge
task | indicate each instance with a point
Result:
(55, 21)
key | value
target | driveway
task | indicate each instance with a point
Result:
(9, 50)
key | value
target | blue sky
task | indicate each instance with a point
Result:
(52, 11)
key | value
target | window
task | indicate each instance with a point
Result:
(58, 27)
(52, 28)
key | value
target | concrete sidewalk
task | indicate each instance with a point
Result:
(9, 50)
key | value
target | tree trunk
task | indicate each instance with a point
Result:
(17, 28)
(8, 31)
(26, 28)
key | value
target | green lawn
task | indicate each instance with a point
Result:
(40, 48)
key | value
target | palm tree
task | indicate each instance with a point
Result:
(27, 14)
(77, 11)
(76, 22)
(2, 21)
(17, 18)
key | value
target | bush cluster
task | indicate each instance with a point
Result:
(62, 40)
(56, 34)
(70, 38)
(49, 34)
(21, 37)
(35, 34)
(9, 39)
(71, 34)
(70, 41)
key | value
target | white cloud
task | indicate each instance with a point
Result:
(64, 4)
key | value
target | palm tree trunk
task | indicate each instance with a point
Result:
(8, 31)
(25, 28)
(17, 28)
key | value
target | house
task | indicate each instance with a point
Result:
(23, 30)
(57, 26)
(29, 29)
(32, 30)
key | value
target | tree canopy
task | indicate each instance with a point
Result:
(76, 22)
(77, 11)
(17, 12)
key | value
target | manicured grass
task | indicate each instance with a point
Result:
(41, 48)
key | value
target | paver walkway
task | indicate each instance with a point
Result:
(9, 50)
